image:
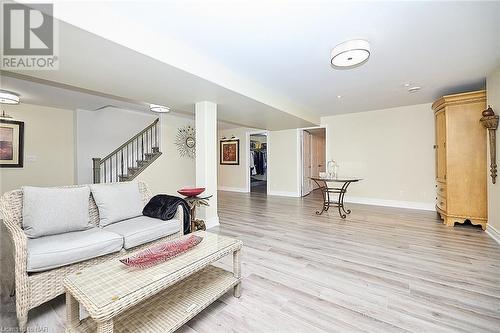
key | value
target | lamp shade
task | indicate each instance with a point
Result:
(159, 108)
(8, 97)
(350, 54)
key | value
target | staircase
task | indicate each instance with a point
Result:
(131, 158)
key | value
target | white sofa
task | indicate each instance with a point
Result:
(43, 260)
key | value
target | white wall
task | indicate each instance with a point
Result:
(170, 171)
(100, 132)
(391, 149)
(493, 95)
(283, 163)
(48, 148)
(234, 177)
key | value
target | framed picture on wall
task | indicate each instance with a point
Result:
(230, 152)
(11, 143)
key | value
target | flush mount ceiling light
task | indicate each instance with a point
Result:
(350, 54)
(159, 108)
(414, 89)
(8, 97)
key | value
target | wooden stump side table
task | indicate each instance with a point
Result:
(193, 202)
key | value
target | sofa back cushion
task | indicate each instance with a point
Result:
(50, 211)
(117, 202)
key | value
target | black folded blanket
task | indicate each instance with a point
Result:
(163, 206)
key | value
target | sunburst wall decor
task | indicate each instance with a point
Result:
(186, 142)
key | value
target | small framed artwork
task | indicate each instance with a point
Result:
(230, 152)
(11, 143)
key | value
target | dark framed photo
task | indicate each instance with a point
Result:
(230, 152)
(11, 143)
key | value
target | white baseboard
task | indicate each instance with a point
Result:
(232, 189)
(391, 203)
(494, 233)
(212, 222)
(283, 194)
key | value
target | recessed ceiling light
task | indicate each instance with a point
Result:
(159, 108)
(350, 54)
(339, 96)
(414, 89)
(406, 85)
(8, 97)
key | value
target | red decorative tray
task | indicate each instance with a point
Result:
(191, 192)
(161, 252)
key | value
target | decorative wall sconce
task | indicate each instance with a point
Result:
(490, 122)
(223, 138)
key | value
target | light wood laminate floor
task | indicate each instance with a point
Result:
(380, 270)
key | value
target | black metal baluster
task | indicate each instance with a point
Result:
(117, 168)
(122, 161)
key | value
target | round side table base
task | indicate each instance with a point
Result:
(198, 225)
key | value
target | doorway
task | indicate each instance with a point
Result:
(313, 157)
(258, 162)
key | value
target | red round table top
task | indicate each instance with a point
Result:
(191, 192)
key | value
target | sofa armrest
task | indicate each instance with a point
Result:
(20, 246)
(180, 216)
(16, 233)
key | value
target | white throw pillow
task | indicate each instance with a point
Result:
(50, 211)
(117, 202)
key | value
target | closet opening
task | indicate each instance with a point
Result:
(258, 162)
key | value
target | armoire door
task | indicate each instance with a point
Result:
(441, 146)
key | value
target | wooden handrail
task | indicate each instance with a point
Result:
(103, 160)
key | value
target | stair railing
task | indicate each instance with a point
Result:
(128, 160)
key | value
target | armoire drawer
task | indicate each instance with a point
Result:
(441, 189)
(441, 202)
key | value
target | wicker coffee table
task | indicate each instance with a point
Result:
(156, 299)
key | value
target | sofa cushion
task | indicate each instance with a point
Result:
(143, 229)
(117, 202)
(50, 211)
(54, 251)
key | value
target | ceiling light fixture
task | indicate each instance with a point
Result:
(8, 97)
(339, 96)
(350, 54)
(159, 108)
(413, 89)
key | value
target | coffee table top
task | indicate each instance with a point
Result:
(112, 286)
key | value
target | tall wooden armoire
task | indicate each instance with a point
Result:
(461, 172)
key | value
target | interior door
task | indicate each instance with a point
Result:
(306, 163)
(314, 157)
(321, 154)
(441, 146)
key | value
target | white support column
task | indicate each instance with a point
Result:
(206, 158)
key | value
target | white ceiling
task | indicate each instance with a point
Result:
(46, 93)
(99, 67)
(59, 96)
(278, 51)
(267, 62)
